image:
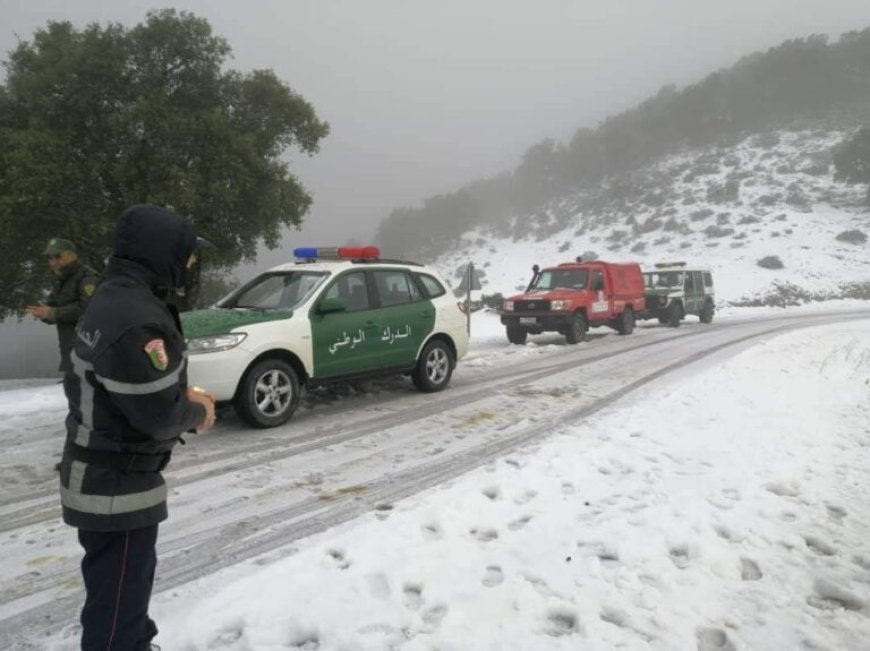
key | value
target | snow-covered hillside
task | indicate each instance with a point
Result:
(769, 196)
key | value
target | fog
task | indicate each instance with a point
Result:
(424, 96)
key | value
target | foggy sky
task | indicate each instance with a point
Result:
(425, 95)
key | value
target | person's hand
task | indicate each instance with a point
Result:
(41, 311)
(207, 400)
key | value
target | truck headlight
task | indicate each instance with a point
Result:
(558, 305)
(508, 306)
(215, 343)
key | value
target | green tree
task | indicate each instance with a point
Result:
(852, 160)
(97, 119)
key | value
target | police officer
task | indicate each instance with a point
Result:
(73, 287)
(129, 405)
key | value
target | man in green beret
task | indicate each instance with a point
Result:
(73, 287)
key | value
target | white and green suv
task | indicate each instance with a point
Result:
(333, 315)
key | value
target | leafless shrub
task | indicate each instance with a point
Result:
(770, 262)
(852, 237)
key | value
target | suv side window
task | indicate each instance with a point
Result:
(394, 287)
(352, 289)
(431, 285)
(690, 283)
(708, 279)
(597, 280)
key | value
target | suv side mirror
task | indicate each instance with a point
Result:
(330, 305)
(597, 283)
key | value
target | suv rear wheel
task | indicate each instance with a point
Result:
(268, 394)
(576, 329)
(434, 367)
(707, 312)
(517, 335)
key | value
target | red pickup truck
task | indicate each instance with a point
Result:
(574, 296)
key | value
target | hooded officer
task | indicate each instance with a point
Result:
(73, 286)
(128, 406)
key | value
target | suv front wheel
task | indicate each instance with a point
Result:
(707, 312)
(517, 335)
(434, 367)
(576, 329)
(268, 394)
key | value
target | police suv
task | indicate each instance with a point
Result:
(674, 290)
(333, 314)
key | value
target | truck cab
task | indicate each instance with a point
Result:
(574, 296)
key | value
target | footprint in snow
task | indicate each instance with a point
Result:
(819, 546)
(434, 614)
(749, 570)
(493, 576)
(432, 531)
(337, 555)
(412, 595)
(836, 513)
(492, 492)
(679, 556)
(561, 621)
(519, 523)
(483, 535)
(525, 497)
(713, 639)
(784, 489)
(829, 596)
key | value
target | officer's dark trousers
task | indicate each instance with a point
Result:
(118, 569)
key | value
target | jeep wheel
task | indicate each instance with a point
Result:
(663, 320)
(434, 367)
(674, 314)
(576, 329)
(268, 394)
(707, 312)
(626, 322)
(517, 335)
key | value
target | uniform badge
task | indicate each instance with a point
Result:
(156, 351)
(89, 289)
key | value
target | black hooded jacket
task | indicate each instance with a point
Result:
(127, 386)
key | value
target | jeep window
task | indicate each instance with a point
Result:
(352, 289)
(708, 279)
(275, 291)
(561, 279)
(432, 286)
(393, 287)
(690, 283)
(666, 279)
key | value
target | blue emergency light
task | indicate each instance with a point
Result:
(337, 253)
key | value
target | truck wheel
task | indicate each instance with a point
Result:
(707, 312)
(434, 367)
(268, 394)
(576, 329)
(663, 320)
(674, 314)
(626, 322)
(517, 335)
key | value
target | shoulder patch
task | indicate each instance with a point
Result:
(89, 288)
(156, 351)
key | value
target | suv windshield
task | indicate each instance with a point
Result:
(281, 290)
(663, 279)
(561, 279)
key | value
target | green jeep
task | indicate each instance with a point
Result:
(674, 290)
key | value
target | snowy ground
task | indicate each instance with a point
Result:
(725, 509)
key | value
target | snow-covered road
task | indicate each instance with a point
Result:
(237, 494)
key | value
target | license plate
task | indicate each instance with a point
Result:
(528, 320)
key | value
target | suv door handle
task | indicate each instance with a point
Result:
(369, 324)
(425, 313)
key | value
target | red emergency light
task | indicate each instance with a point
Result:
(337, 253)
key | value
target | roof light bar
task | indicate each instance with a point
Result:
(337, 253)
